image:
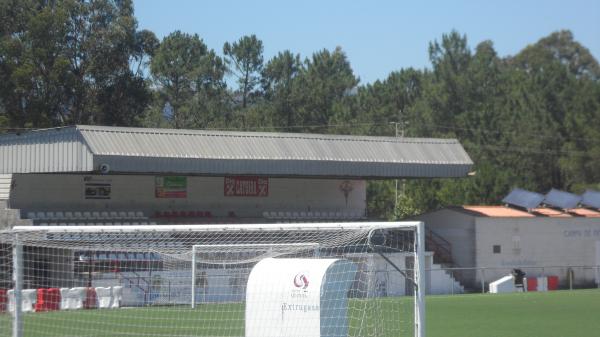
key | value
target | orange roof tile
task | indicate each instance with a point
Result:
(498, 211)
(551, 213)
(585, 212)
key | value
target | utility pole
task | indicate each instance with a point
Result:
(402, 135)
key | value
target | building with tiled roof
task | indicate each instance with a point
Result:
(493, 240)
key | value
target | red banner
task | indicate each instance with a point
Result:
(246, 187)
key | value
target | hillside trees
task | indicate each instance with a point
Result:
(68, 62)
(530, 120)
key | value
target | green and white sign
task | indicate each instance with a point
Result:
(170, 187)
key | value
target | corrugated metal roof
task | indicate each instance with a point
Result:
(85, 148)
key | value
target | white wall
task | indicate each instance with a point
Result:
(532, 243)
(137, 192)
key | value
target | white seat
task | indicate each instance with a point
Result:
(40, 215)
(114, 215)
(139, 214)
(122, 215)
(280, 215)
(77, 215)
(95, 215)
(303, 215)
(50, 215)
(86, 215)
(104, 215)
(59, 215)
(131, 215)
(31, 215)
(68, 215)
(265, 214)
(295, 215)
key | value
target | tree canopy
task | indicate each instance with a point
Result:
(530, 120)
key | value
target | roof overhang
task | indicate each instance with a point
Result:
(85, 149)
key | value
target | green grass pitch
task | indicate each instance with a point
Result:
(552, 314)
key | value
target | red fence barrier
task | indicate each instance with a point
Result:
(48, 299)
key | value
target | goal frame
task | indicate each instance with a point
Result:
(417, 226)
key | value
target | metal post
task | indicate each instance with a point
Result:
(481, 276)
(419, 272)
(18, 281)
(193, 277)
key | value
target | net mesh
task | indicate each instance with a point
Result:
(196, 282)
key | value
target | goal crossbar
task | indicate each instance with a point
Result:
(217, 227)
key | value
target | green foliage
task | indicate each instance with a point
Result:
(189, 78)
(530, 120)
(69, 62)
(245, 59)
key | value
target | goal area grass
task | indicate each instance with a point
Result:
(557, 314)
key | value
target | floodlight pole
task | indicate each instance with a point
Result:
(18, 287)
(420, 281)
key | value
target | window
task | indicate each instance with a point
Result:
(497, 249)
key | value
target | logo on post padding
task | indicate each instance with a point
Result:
(301, 281)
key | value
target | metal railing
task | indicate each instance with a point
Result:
(477, 279)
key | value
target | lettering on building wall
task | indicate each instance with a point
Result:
(170, 187)
(581, 233)
(97, 188)
(241, 186)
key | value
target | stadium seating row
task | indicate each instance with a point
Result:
(314, 215)
(91, 223)
(50, 299)
(85, 215)
(182, 214)
(121, 257)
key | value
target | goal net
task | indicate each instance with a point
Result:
(280, 280)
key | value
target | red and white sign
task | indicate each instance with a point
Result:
(246, 186)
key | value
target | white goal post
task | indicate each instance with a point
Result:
(362, 272)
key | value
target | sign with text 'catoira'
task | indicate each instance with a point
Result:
(243, 186)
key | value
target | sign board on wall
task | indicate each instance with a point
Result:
(242, 186)
(97, 188)
(170, 187)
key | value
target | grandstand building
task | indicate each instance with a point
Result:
(96, 175)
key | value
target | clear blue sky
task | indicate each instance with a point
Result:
(377, 36)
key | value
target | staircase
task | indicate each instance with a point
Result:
(441, 282)
(441, 248)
